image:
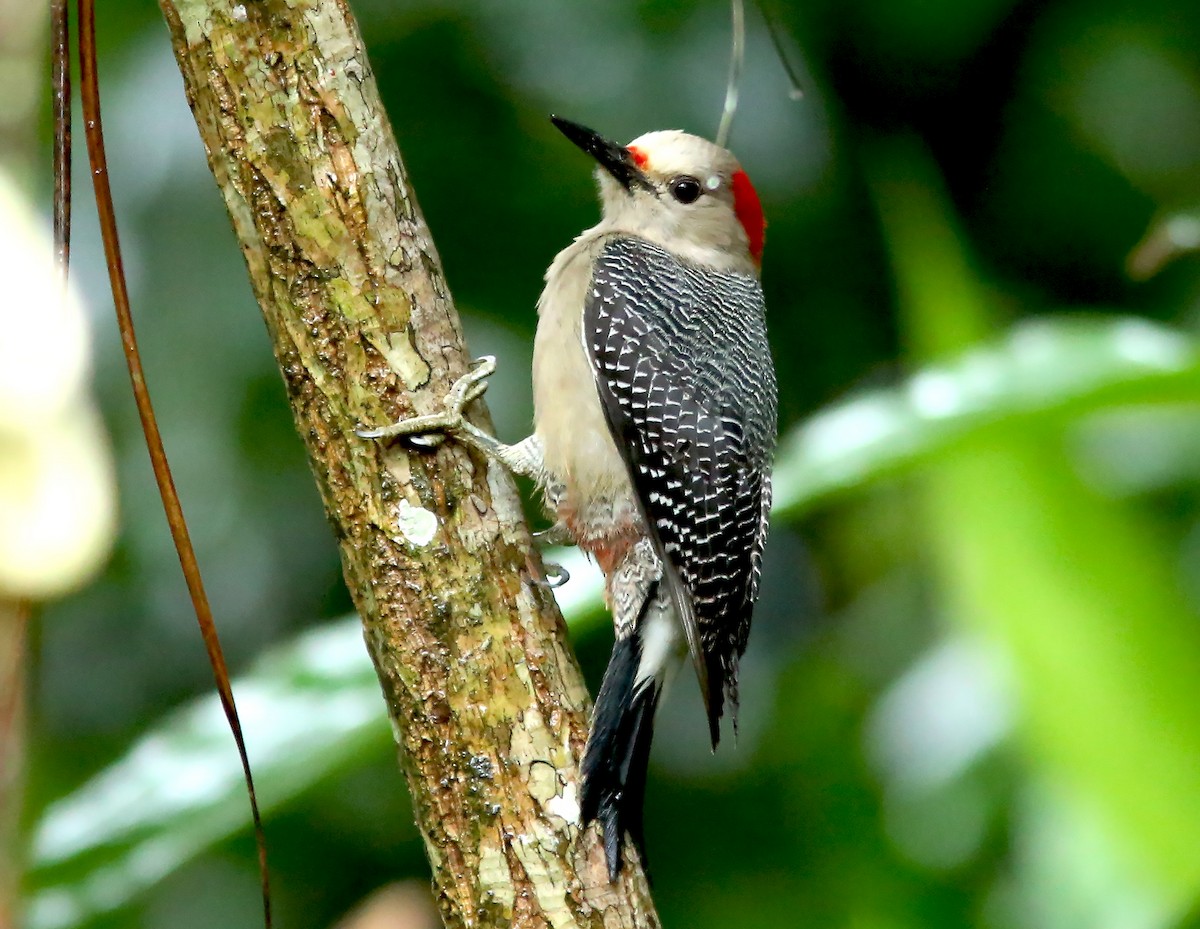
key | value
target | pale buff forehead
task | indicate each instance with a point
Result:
(671, 151)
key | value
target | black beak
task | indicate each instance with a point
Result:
(614, 158)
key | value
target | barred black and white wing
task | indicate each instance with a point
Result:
(684, 373)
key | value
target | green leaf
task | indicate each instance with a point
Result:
(1077, 590)
(1048, 370)
(311, 708)
(308, 709)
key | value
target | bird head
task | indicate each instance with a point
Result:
(679, 191)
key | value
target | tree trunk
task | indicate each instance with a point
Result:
(14, 621)
(485, 698)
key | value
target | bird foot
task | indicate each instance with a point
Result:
(431, 429)
(558, 534)
(554, 575)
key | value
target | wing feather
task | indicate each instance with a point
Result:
(683, 371)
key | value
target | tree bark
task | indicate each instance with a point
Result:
(485, 698)
(14, 623)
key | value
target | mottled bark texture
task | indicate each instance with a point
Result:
(14, 620)
(485, 698)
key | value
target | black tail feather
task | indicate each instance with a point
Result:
(618, 752)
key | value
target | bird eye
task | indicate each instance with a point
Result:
(686, 189)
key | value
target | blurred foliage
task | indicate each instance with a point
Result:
(969, 698)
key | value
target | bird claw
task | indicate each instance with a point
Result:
(558, 534)
(554, 575)
(431, 429)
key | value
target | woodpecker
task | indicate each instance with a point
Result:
(654, 430)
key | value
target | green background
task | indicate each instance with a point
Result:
(971, 694)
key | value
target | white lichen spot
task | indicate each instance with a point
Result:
(416, 524)
(566, 806)
(239, 13)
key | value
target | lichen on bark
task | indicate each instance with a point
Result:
(483, 693)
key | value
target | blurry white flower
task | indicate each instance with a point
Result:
(57, 493)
